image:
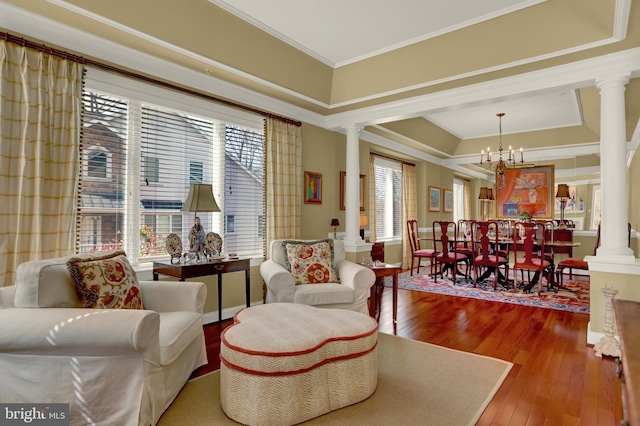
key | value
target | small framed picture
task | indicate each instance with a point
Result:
(312, 188)
(448, 201)
(434, 199)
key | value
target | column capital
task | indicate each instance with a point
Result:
(353, 127)
(612, 81)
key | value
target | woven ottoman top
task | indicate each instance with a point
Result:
(289, 338)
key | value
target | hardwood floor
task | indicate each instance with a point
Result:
(556, 379)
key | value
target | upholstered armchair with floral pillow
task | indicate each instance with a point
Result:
(83, 330)
(315, 272)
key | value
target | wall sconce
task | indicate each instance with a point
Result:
(485, 197)
(563, 195)
(335, 223)
(364, 221)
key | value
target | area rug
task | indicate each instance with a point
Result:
(418, 384)
(574, 296)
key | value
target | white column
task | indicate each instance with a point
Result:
(613, 170)
(352, 187)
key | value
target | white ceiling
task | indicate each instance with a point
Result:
(339, 32)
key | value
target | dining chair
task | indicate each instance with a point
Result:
(417, 252)
(445, 235)
(465, 227)
(531, 243)
(486, 241)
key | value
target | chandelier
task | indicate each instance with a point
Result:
(501, 165)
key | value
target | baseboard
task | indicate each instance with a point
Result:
(594, 337)
(227, 313)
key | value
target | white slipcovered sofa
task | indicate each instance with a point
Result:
(351, 292)
(113, 366)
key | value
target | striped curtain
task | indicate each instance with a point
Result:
(409, 209)
(40, 104)
(372, 198)
(283, 181)
(467, 200)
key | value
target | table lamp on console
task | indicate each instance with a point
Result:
(200, 199)
(563, 195)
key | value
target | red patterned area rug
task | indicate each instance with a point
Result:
(573, 296)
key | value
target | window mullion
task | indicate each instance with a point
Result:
(132, 186)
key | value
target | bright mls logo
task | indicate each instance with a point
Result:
(34, 414)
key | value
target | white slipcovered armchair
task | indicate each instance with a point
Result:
(351, 292)
(113, 366)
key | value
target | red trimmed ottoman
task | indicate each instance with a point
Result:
(285, 363)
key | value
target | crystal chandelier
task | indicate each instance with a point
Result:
(501, 165)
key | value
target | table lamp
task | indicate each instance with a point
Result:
(364, 221)
(335, 223)
(485, 197)
(563, 195)
(200, 199)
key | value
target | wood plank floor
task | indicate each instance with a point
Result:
(556, 378)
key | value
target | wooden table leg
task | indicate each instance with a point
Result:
(395, 300)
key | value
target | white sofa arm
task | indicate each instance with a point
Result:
(359, 277)
(171, 296)
(80, 332)
(6, 296)
(278, 280)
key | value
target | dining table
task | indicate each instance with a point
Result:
(509, 242)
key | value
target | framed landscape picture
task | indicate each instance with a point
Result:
(448, 201)
(434, 199)
(312, 188)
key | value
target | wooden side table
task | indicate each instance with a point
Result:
(375, 299)
(183, 271)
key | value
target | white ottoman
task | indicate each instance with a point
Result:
(285, 363)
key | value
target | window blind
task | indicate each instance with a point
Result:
(141, 157)
(388, 199)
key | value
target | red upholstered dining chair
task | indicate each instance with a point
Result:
(572, 263)
(486, 241)
(531, 243)
(417, 252)
(445, 234)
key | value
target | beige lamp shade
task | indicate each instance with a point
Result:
(200, 199)
(364, 220)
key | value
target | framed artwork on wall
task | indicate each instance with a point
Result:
(363, 192)
(573, 204)
(528, 189)
(434, 199)
(448, 201)
(312, 188)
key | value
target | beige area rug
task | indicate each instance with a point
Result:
(418, 384)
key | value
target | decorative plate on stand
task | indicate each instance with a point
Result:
(214, 243)
(173, 245)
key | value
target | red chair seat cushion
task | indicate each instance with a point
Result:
(491, 258)
(573, 263)
(424, 253)
(520, 262)
(451, 257)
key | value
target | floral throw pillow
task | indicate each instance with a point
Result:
(105, 280)
(311, 262)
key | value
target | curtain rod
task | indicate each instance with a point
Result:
(392, 159)
(65, 55)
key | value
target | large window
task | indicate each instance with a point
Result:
(144, 147)
(458, 200)
(388, 184)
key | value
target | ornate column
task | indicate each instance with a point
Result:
(613, 169)
(352, 187)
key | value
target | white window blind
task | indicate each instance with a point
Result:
(388, 193)
(140, 158)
